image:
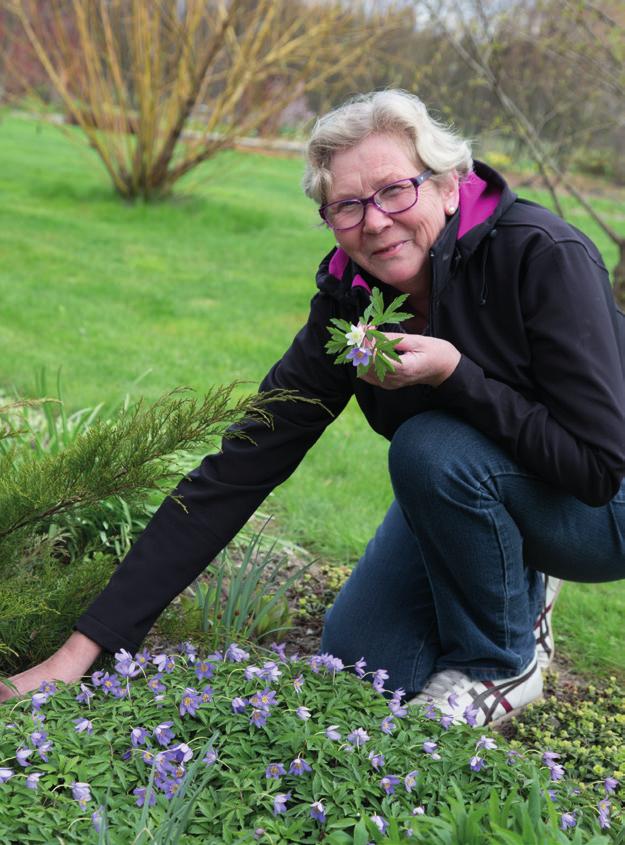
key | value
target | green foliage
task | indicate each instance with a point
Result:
(231, 799)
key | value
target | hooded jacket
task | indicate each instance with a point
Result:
(523, 296)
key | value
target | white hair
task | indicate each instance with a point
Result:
(393, 112)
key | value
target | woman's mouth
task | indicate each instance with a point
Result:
(389, 251)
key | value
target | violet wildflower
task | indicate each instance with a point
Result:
(556, 771)
(419, 811)
(429, 746)
(207, 694)
(388, 725)
(610, 784)
(604, 813)
(388, 783)
(155, 683)
(379, 822)
(332, 663)
(511, 757)
(359, 356)
(83, 726)
(48, 687)
(138, 736)
(332, 732)
(126, 664)
(147, 756)
(410, 781)
(358, 737)
(264, 700)
(238, 705)
(142, 658)
(379, 676)
(270, 672)
(182, 753)
(81, 792)
(140, 792)
(377, 760)
(470, 716)
(163, 733)
(360, 666)
(298, 683)
(303, 713)
(164, 663)
(32, 780)
(431, 712)
(43, 749)
(317, 812)
(189, 650)
(446, 721)
(549, 758)
(110, 683)
(171, 787)
(210, 757)
(6, 774)
(251, 672)
(259, 833)
(316, 663)
(398, 709)
(476, 763)
(204, 669)
(39, 699)
(190, 702)
(236, 654)
(96, 819)
(96, 678)
(274, 770)
(567, 820)
(259, 718)
(299, 766)
(279, 649)
(279, 802)
(84, 695)
(486, 742)
(38, 738)
(22, 755)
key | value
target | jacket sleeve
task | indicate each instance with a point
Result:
(223, 492)
(571, 433)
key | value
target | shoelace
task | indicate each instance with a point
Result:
(444, 683)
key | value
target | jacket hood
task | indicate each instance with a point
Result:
(484, 198)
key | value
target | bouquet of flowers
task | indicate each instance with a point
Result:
(363, 345)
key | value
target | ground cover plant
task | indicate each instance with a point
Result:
(209, 287)
(241, 747)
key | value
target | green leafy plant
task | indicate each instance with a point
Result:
(363, 345)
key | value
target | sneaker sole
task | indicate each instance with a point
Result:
(507, 717)
(544, 659)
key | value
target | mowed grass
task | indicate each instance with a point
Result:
(203, 289)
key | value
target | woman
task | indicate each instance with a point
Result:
(506, 416)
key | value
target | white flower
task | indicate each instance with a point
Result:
(355, 336)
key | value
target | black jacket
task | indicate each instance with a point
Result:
(526, 299)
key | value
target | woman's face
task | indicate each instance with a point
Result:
(394, 249)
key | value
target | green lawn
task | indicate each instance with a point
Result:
(204, 289)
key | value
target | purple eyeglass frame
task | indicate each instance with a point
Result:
(364, 201)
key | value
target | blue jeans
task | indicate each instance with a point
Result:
(451, 579)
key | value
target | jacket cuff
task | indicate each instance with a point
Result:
(456, 387)
(103, 636)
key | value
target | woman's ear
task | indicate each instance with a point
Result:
(451, 193)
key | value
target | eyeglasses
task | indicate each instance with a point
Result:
(391, 199)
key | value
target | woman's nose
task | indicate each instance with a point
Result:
(375, 220)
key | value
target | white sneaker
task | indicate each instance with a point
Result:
(543, 627)
(481, 702)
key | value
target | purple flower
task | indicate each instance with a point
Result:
(170, 788)
(397, 708)
(81, 792)
(48, 687)
(275, 770)
(238, 705)
(429, 746)
(142, 658)
(556, 771)
(332, 663)
(147, 756)
(279, 802)
(270, 672)
(604, 813)
(610, 784)
(251, 672)
(379, 676)
(410, 781)
(39, 699)
(140, 792)
(470, 716)
(189, 650)
(299, 766)
(110, 683)
(190, 702)
(204, 669)
(317, 812)
(476, 763)
(298, 683)
(486, 742)
(388, 783)
(155, 683)
(83, 725)
(549, 758)
(32, 780)
(236, 654)
(207, 694)
(446, 721)
(259, 833)
(377, 760)
(316, 663)
(279, 649)
(164, 663)
(22, 755)
(419, 811)
(567, 820)
(84, 695)
(138, 736)
(332, 732)
(359, 356)
(43, 749)
(358, 737)
(388, 725)
(431, 713)
(126, 664)
(210, 758)
(264, 700)
(303, 713)
(163, 733)
(379, 822)
(96, 819)
(452, 700)
(511, 757)
(6, 774)
(259, 718)
(96, 678)
(360, 666)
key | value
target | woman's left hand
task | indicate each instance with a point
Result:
(424, 360)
